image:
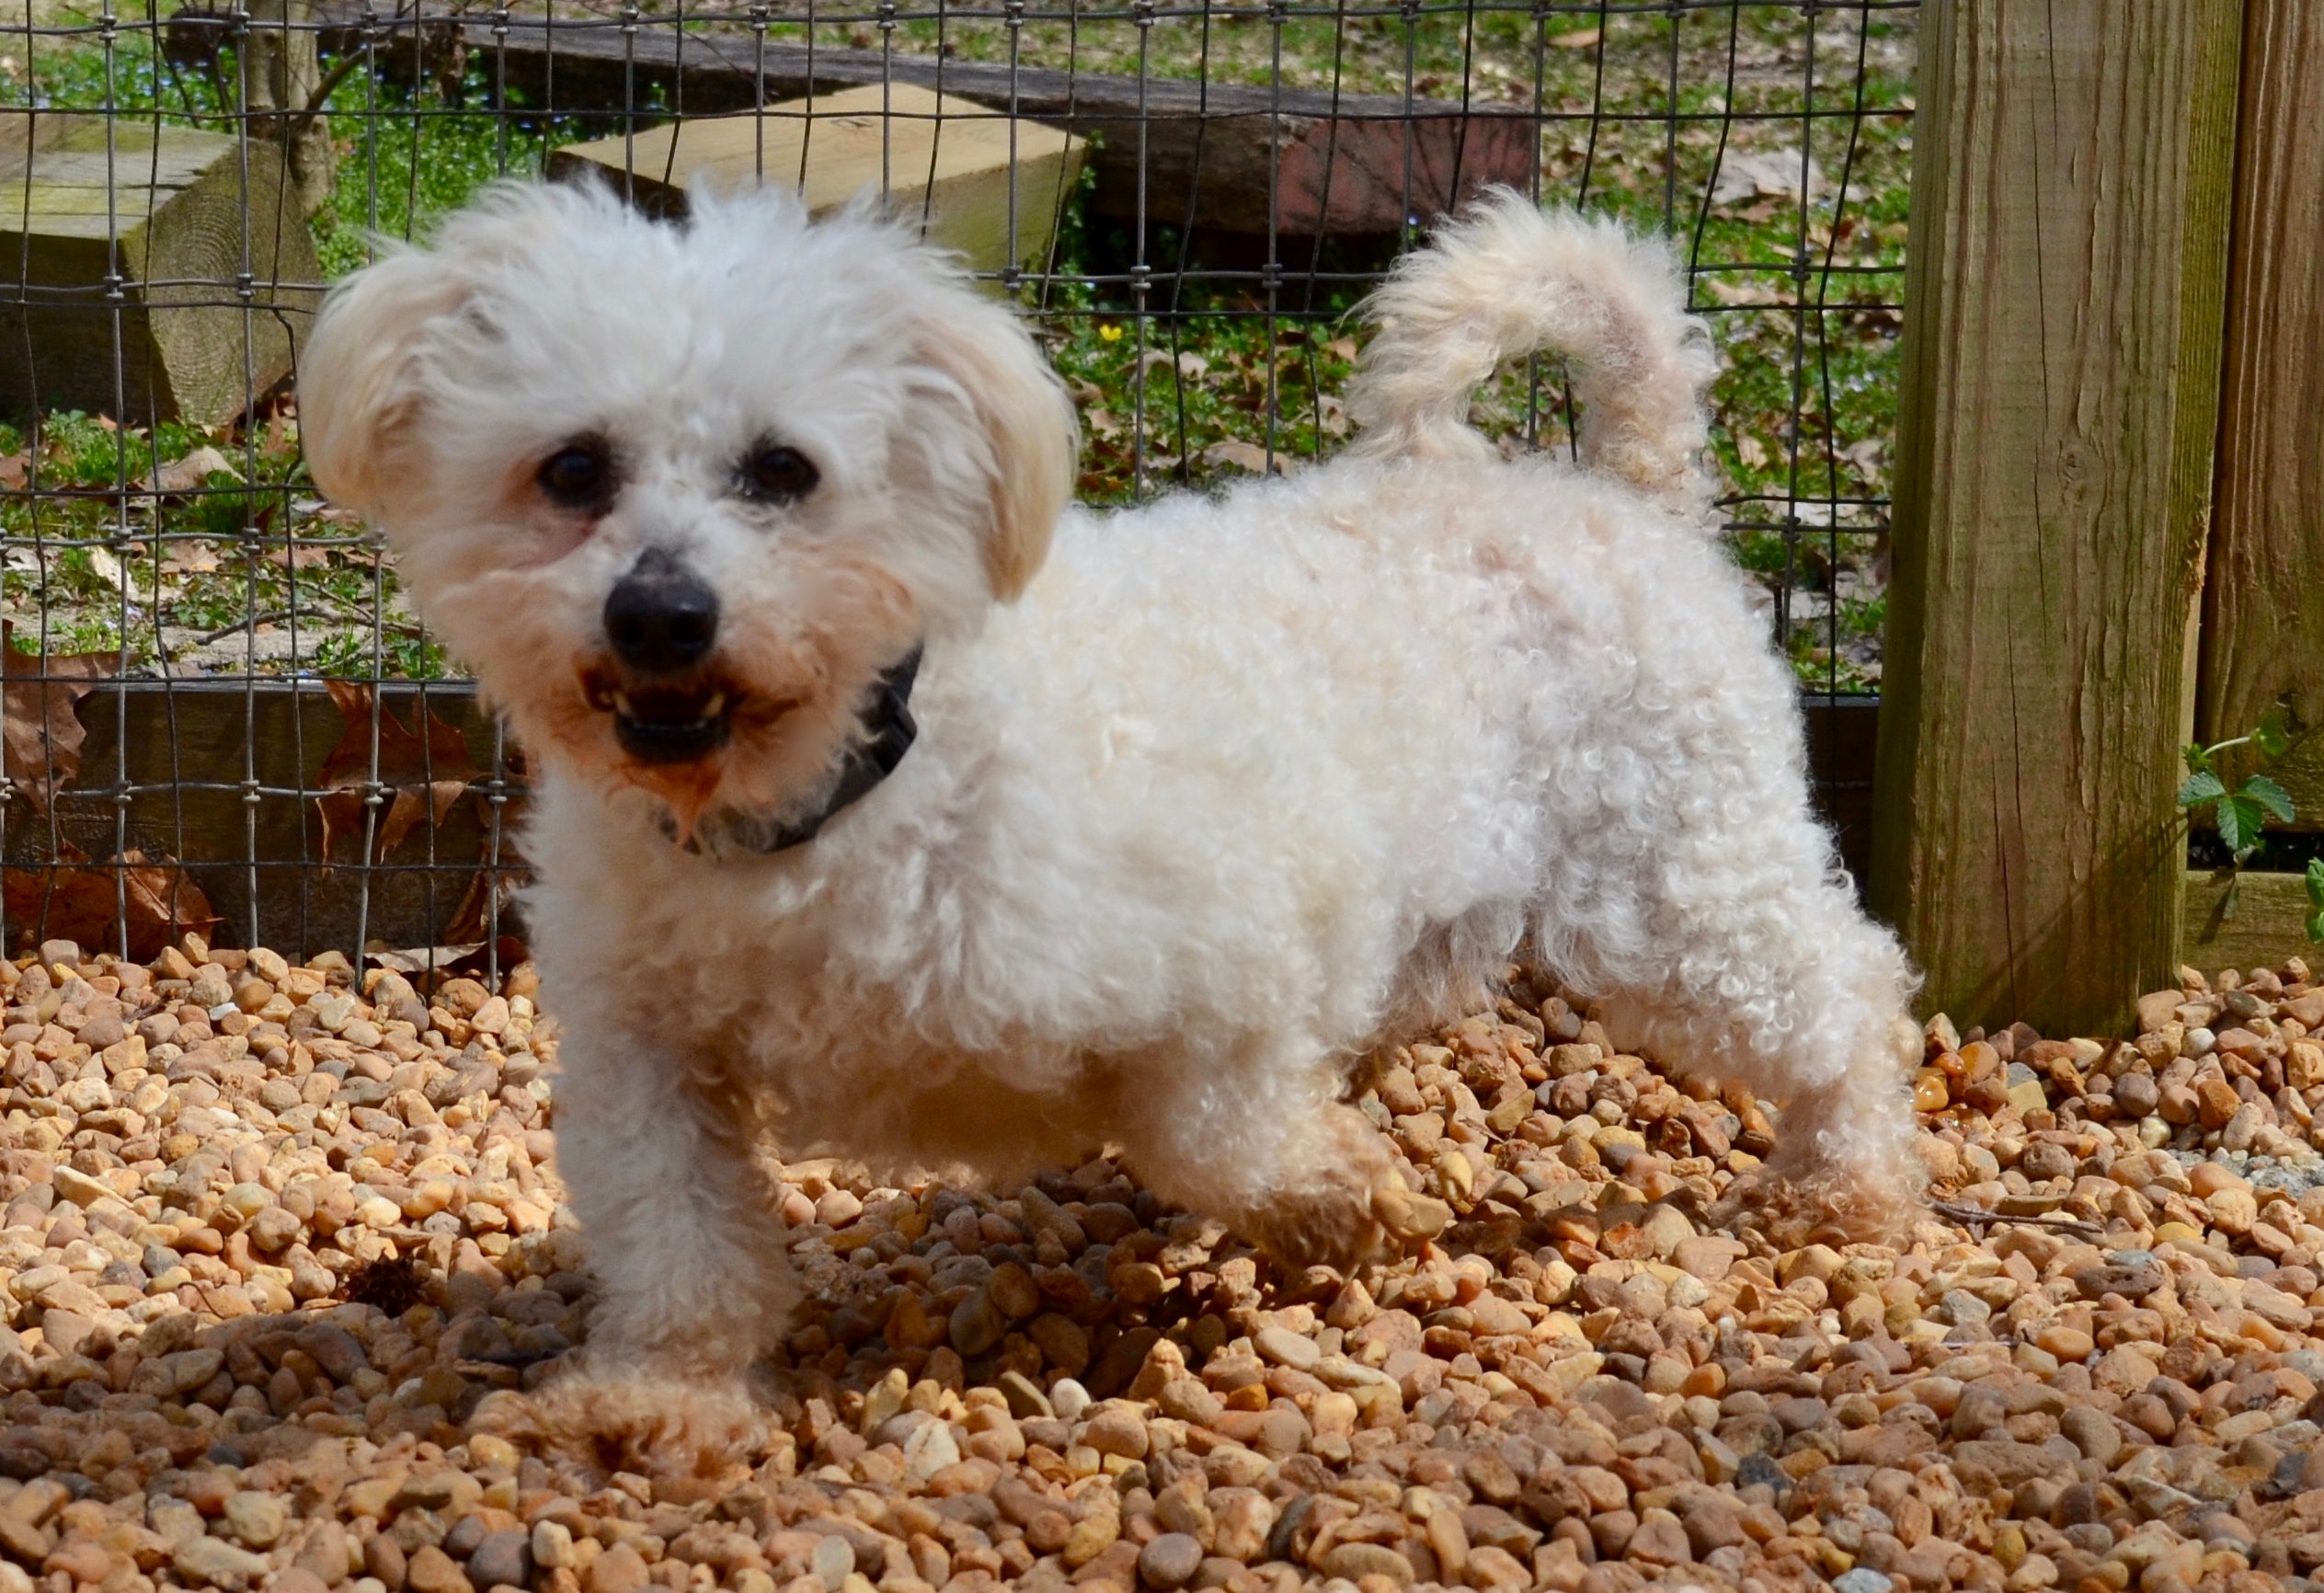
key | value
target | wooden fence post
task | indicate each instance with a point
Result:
(2262, 642)
(2072, 165)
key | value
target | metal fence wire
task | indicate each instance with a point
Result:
(222, 719)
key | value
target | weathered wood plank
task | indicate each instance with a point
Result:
(256, 849)
(972, 174)
(1345, 165)
(182, 217)
(2262, 633)
(1842, 738)
(2269, 923)
(183, 748)
(2070, 210)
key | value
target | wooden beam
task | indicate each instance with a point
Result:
(1344, 163)
(1842, 735)
(2072, 164)
(991, 186)
(186, 744)
(176, 214)
(2269, 924)
(2262, 636)
(181, 751)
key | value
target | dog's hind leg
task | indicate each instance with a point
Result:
(686, 1240)
(1698, 902)
(1261, 1141)
(1785, 985)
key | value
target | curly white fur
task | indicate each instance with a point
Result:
(1234, 791)
(1508, 279)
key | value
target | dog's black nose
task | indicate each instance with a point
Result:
(661, 618)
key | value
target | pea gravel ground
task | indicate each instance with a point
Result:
(269, 1242)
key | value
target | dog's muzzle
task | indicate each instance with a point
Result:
(657, 726)
(662, 621)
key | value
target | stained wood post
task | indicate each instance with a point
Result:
(2072, 167)
(2262, 640)
(2262, 644)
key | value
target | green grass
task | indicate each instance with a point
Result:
(1198, 390)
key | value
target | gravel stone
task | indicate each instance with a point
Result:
(262, 1260)
(1287, 1349)
(1169, 1561)
(218, 1563)
(833, 1558)
(621, 1569)
(256, 1519)
(431, 1570)
(1069, 1399)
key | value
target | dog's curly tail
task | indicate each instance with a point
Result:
(1507, 279)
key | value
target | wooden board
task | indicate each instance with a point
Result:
(183, 747)
(1842, 735)
(2269, 926)
(966, 173)
(2070, 207)
(165, 206)
(2262, 627)
(188, 747)
(24, 128)
(1228, 158)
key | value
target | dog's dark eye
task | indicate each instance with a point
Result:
(778, 475)
(578, 476)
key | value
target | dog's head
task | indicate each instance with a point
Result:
(682, 493)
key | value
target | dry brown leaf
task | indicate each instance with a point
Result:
(435, 800)
(1773, 174)
(194, 470)
(1580, 38)
(1249, 457)
(484, 907)
(59, 901)
(16, 470)
(42, 732)
(342, 814)
(83, 904)
(419, 959)
(427, 771)
(191, 558)
(164, 905)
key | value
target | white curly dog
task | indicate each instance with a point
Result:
(885, 795)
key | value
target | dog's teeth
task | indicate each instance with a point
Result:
(622, 705)
(716, 706)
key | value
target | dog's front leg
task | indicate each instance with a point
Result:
(657, 1151)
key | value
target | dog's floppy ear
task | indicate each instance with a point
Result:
(355, 376)
(1030, 440)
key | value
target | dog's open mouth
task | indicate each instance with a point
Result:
(666, 723)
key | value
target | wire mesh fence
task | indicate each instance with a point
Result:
(221, 717)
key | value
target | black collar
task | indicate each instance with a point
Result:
(889, 732)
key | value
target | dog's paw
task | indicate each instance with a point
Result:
(1362, 1212)
(1796, 1207)
(619, 1419)
(1409, 1218)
